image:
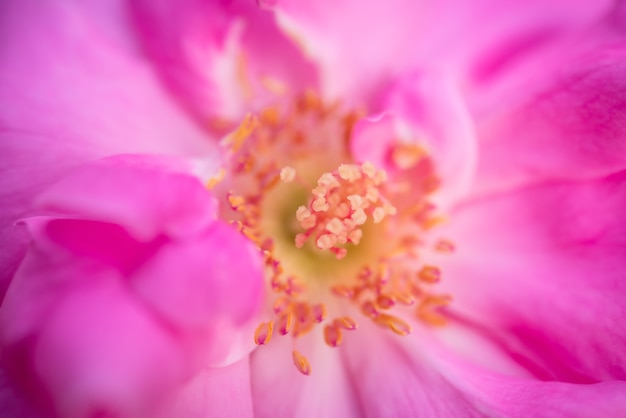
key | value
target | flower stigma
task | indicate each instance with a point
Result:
(343, 240)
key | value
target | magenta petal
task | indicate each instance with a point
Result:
(543, 269)
(146, 195)
(557, 116)
(101, 354)
(194, 283)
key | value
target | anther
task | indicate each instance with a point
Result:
(319, 312)
(342, 291)
(263, 333)
(301, 363)
(429, 274)
(385, 301)
(444, 246)
(394, 323)
(346, 323)
(333, 335)
(284, 323)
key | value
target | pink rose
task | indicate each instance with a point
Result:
(434, 190)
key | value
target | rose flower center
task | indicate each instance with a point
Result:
(333, 232)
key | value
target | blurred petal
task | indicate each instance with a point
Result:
(101, 354)
(426, 110)
(195, 282)
(541, 269)
(434, 110)
(215, 56)
(379, 40)
(558, 116)
(114, 99)
(146, 195)
(77, 90)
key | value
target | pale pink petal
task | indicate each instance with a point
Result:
(101, 354)
(279, 390)
(146, 195)
(221, 392)
(221, 58)
(541, 269)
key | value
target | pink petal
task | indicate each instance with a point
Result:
(220, 392)
(418, 376)
(430, 111)
(145, 195)
(196, 284)
(78, 90)
(68, 76)
(217, 56)
(541, 269)
(555, 116)
(509, 396)
(379, 40)
(355, 43)
(101, 354)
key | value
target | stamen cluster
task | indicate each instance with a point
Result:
(344, 205)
